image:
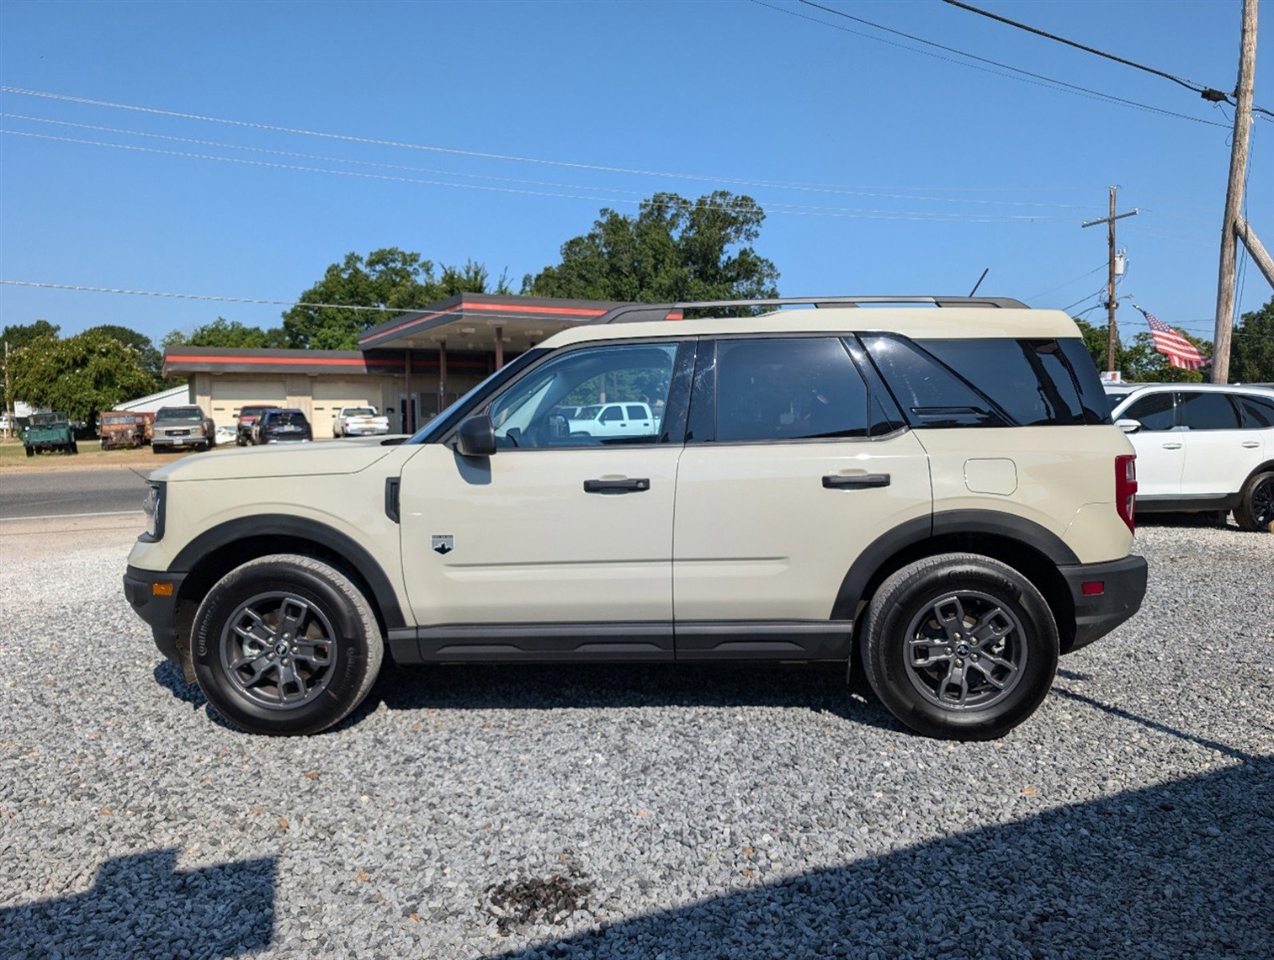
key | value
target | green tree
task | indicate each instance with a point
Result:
(17, 336)
(152, 359)
(387, 279)
(1252, 347)
(674, 249)
(227, 333)
(83, 375)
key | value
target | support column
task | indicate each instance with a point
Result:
(442, 375)
(499, 347)
(407, 419)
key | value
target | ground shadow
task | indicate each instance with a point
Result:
(818, 688)
(1179, 870)
(141, 906)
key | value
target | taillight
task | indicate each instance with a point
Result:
(1126, 489)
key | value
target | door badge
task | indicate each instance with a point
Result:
(443, 543)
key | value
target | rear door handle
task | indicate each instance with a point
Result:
(856, 481)
(637, 485)
(1251, 444)
(1172, 446)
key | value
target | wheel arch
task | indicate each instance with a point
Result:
(1265, 467)
(215, 552)
(1027, 547)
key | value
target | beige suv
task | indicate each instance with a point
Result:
(930, 486)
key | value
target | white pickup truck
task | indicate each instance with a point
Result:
(614, 420)
(359, 422)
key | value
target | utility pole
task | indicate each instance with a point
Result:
(1111, 303)
(8, 395)
(1234, 194)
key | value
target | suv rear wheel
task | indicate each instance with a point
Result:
(960, 646)
(1256, 510)
(286, 645)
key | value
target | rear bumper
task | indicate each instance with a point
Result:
(157, 610)
(1123, 587)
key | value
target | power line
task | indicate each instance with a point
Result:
(480, 176)
(799, 210)
(451, 151)
(1035, 78)
(1208, 93)
(197, 296)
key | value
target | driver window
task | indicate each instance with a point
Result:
(535, 411)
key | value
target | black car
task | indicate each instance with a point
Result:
(283, 425)
(248, 417)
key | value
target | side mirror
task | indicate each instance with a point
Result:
(475, 437)
(1128, 426)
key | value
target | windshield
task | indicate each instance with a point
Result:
(117, 419)
(589, 413)
(180, 413)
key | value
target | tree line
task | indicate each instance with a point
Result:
(672, 249)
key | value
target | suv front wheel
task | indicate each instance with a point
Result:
(286, 645)
(960, 646)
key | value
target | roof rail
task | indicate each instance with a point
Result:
(641, 312)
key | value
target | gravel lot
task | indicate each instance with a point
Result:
(637, 812)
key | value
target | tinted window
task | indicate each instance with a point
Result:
(638, 413)
(612, 413)
(1257, 412)
(1153, 411)
(1207, 411)
(1027, 379)
(1087, 380)
(787, 389)
(929, 394)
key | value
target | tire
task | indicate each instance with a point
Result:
(240, 442)
(975, 595)
(75, 447)
(30, 451)
(155, 450)
(240, 653)
(1255, 511)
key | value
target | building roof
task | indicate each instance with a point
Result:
(469, 321)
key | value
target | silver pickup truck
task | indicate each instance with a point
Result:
(177, 428)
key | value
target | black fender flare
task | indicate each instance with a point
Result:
(945, 523)
(298, 528)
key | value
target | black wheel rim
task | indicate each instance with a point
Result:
(1263, 503)
(278, 650)
(965, 651)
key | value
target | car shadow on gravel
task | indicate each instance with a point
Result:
(141, 906)
(1176, 870)
(818, 688)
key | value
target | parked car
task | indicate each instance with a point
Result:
(937, 493)
(283, 425)
(247, 419)
(176, 428)
(122, 429)
(49, 431)
(631, 421)
(1202, 447)
(359, 422)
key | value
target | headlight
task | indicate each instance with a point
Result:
(154, 508)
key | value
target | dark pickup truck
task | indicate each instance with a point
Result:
(49, 431)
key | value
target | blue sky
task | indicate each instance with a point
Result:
(882, 169)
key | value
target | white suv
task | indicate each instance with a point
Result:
(934, 489)
(1202, 447)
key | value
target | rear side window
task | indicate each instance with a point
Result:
(1153, 412)
(1207, 411)
(1087, 380)
(1029, 380)
(929, 394)
(637, 413)
(1257, 412)
(788, 389)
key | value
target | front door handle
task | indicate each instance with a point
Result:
(1172, 446)
(1251, 444)
(856, 481)
(637, 485)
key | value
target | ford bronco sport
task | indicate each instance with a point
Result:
(934, 490)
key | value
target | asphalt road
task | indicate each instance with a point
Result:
(66, 493)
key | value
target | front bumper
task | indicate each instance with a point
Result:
(179, 441)
(157, 609)
(1123, 587)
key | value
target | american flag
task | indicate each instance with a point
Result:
(1179, 351)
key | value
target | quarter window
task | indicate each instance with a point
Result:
(788, 389)
(1207, 411)
(1258, 412)
(929, 394)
